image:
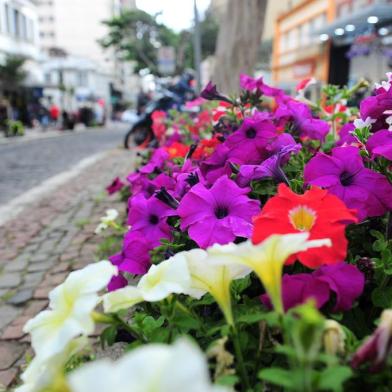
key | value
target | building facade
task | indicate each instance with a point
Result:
(19, 35)
(72, 28)
(297, 50)
(335, 41)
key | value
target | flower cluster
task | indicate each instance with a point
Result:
(259, 221)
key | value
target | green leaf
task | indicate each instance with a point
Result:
(185, 321)
(332, 378)
(227, 380)
(278, 376)
(249, 314)
(108, 336)
(382, 297)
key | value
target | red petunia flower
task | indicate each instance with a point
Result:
(177, 150)
(206, 147)
(158, 123)
(320, 213)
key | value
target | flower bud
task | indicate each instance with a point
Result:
(378, 347)
(333, 338)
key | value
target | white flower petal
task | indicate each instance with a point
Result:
(157, 367)
(123, 298)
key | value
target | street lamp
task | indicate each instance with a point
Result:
(372, 19)
(197, 46)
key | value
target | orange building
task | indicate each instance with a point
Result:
(297, 52)
(318, 38)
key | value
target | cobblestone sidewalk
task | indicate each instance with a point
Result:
(43, 244)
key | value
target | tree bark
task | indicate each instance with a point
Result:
(238, 42)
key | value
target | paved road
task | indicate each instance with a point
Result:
(27, 164)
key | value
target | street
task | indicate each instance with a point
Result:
(26, 164)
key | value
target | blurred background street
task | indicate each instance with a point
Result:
(82, 82)
(26, 164)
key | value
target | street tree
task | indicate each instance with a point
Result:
(135, 36)
(238, 41)
(12, 73)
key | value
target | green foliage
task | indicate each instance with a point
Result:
(12, 73)
(136, 35)
(14, 128)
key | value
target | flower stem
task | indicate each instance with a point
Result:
(239, 357)
(115, 319)
(129, 329)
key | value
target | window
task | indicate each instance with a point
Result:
(344, 9)
(319, 22)
(30, 30)
(82, 79)
(7, 18)
(48, 78)
(283, 43)
(292, 40)
(16, 23)
(304, 35)
(23, 27)
(359, 4)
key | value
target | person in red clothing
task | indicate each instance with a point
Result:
(54, 111)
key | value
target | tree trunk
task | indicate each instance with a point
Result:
(238, 42)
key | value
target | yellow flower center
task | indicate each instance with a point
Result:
(302, 218)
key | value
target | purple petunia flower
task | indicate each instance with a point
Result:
(376, 106)
(297, 289)
(307, 125)
(157, 161)
(253, 137)
(345, 136)
(251, 84)
(380, 144)
(134, 257)
(343, 174)
(140, 183)
(115, 186)
(149, 217)
(219, 214)
(345, 280)
(211, 93)
(377, 348)
(186, 178)
(270, 168)
(117, 282)
(217, 164)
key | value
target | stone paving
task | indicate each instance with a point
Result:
(26, 164)
(43, 244)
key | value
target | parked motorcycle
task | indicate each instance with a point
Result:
(173, 98)
(141, 132)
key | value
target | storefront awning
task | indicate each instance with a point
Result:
(359, 19)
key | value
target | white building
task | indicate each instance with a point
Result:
(72, 82)
(75, 26)
(19, 35)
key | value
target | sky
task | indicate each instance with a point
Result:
(176, 14)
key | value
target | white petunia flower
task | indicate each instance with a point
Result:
(70, 308)
(41, 374)
(267, 258)
(388, 120)
(191, 272)
(170, 276)
(214, 278)
(360, 124)
(385, 85)
(107, 220)
(154, 367)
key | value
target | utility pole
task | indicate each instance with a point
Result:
(197, 46)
